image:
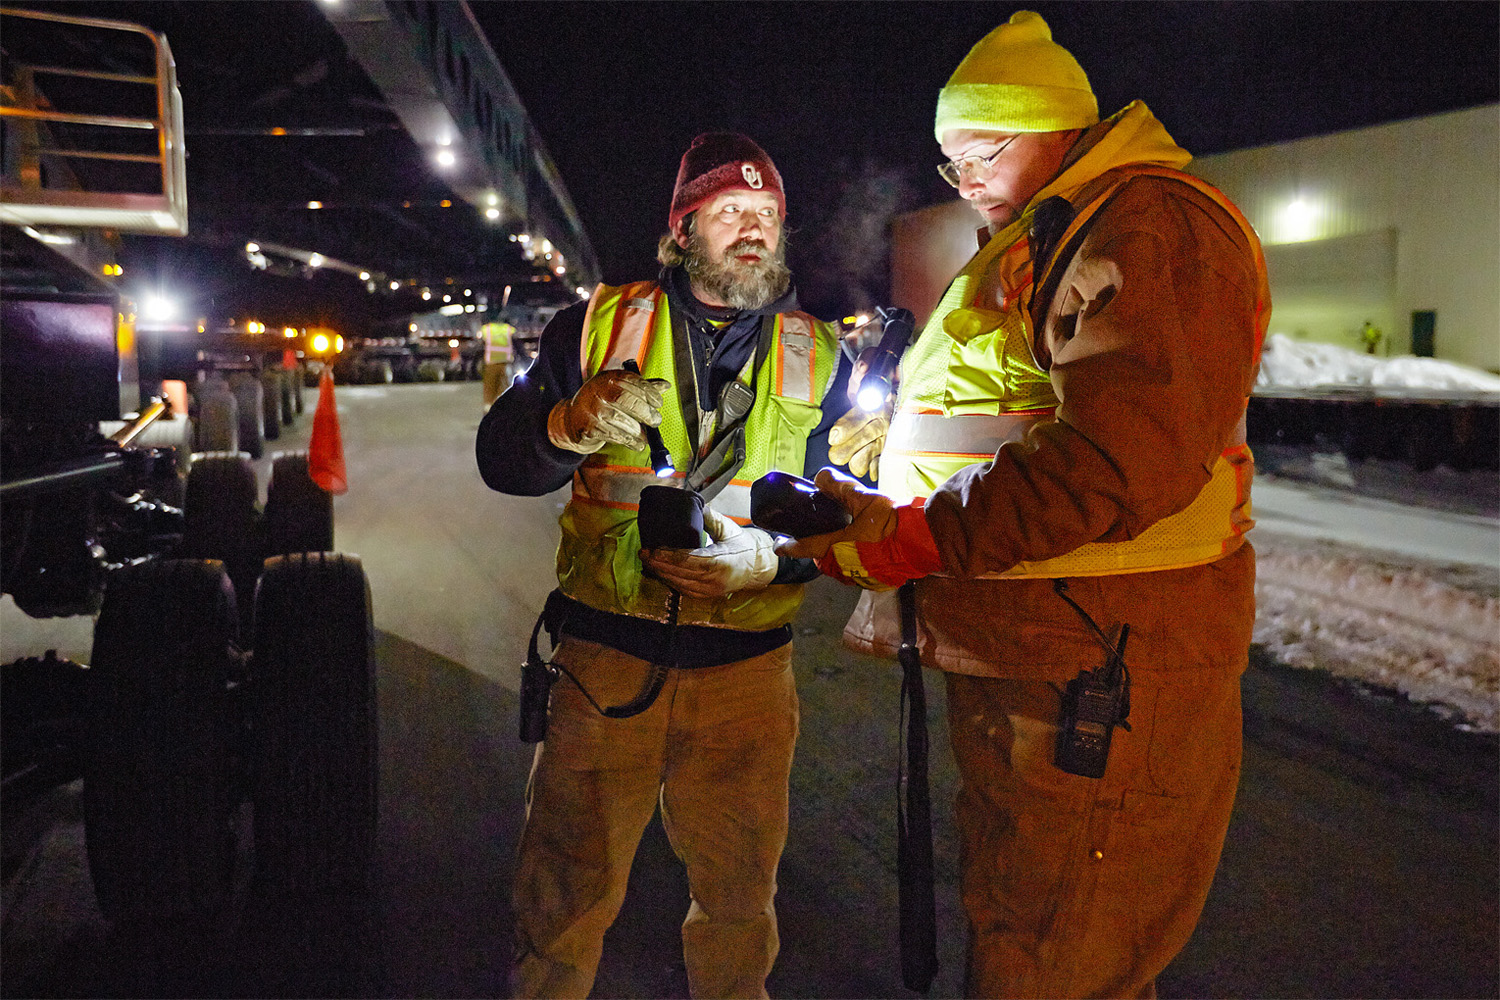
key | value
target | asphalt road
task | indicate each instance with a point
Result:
(1362, 860)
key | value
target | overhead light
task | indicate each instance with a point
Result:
(252, 248)
(468, 292)
(411, 328)
(452, 310)
(492, 213)
(559, 269)
(468, 308)
(288, 332)
(583, 293)
(159, 308)
(56, 239)
(316, 260)
(445, 158)
(452, 341)
(364, 276)
(494, 199)
(447, 298)
(315, 204)
(426, 295)
(395, 285)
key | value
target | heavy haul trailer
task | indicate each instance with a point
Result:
(231, 659)
(1421, 428)
(243, 389)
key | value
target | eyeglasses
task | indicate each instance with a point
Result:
(976, 168)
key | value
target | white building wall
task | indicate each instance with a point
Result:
(1373, 224)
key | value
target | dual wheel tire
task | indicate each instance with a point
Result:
(183, 725)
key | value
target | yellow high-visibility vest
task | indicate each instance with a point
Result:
(971, 383)
(598, 557)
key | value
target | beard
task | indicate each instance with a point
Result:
(740, 284)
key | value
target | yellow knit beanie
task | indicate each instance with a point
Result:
(1017, 79)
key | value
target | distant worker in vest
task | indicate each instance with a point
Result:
(1066, 469)
(686, 650)
(496, 335)
(1370, 335)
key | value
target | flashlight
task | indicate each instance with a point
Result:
(875, 387)
(661, 458)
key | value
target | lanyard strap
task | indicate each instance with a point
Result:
(916, 895)
(708, 472)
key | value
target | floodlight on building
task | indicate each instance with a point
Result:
(1298, 221)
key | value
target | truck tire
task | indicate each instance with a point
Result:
(299, 513)
(249, 399)
(220, 519)
(159, 796)
(218, 417)
(270, 396)
(314, 754)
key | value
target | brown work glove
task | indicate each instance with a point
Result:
(608, 409)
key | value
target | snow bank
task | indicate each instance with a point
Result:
(1302, 364)
(1401, 628)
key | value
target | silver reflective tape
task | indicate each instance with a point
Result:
(796, 358)
(622, 489)
(976, 434)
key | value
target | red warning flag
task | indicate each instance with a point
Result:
(325, 451)
(289, 359)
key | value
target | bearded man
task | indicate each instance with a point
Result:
(735, 377)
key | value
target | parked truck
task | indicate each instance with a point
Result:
(231, 668)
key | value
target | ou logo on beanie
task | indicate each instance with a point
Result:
(717, 162)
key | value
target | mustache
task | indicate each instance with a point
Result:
(747, 243)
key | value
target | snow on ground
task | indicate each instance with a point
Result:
(1430, 632)
(1300, 364)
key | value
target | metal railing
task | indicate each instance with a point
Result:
(31, 195)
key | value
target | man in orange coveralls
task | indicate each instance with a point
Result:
(1066, 459)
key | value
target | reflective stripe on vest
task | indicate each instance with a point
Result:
(619, 486)
(924, 449)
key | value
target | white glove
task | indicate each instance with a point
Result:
(857, 439)
(608, 409)
(740, 558)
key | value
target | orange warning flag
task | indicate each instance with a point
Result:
(325, 452)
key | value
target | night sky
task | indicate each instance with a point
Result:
(842, 94)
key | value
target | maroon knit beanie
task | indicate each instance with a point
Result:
(717, 162)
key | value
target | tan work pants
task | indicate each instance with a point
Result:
(716, 751)
(496, 379)
(1077, 887)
